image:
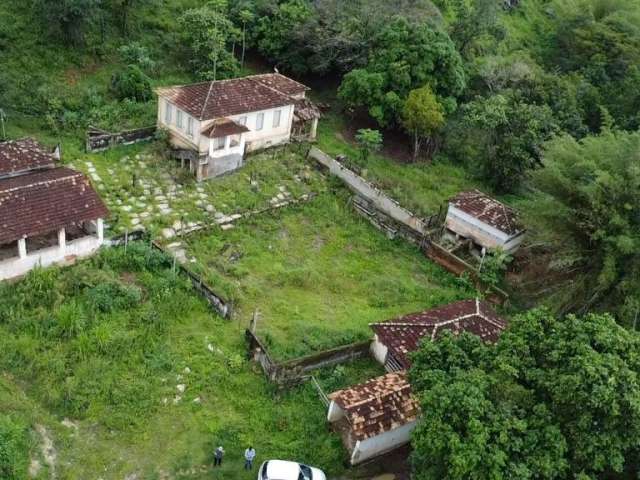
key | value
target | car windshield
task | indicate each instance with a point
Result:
(305, 473)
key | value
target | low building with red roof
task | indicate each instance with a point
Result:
(375, 417)
(219, 121)
(48, 214)
(395, 339)
(490, 224)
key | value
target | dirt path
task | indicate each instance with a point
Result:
(49, 453)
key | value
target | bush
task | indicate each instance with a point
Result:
(136, 54)
(112, 296)
(131, 84)
(14, 449)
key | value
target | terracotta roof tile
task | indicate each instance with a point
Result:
(488, 210)
(223, 127)
(379, 405)
(47, 200)
(224, 98)
(404, 334)
(19, 156)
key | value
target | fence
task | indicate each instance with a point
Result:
(297, 370)
(100, 140)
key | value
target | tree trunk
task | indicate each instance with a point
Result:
(244, 43)
(416, 146)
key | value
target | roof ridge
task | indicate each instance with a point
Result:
(74, 173)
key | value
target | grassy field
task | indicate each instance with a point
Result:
(127, 371)
(318, 274)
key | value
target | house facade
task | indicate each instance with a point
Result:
(48, 214)
(487, 222)
(212, 125)
(375, 417)
(395, 339)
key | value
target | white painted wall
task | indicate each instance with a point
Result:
(62, 253)
(484, 235)
(383, 443)
(335, 413)
(379, 350)
(179, 136)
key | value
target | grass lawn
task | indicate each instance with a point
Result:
(127, 371)
(318, 274)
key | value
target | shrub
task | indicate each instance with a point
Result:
(132, 84)
(111, 296)
(136, 54)
(14, 449)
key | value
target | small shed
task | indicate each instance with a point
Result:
(490, 224)
(395, 339)
(375, 417)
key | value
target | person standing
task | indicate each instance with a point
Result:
(249, 455)
(217, 457)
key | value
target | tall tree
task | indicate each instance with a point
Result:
(69, 19)
(596, 186)
(404, 56)
(554, 399)
(422, 117)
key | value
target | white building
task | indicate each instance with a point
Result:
(375, 417)
(48, 214)
(213, 124)
(487, 222)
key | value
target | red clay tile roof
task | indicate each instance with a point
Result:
(19, 156)
(280, 83)
(223, 127)
(45, 201)
(379, 405)
(488, 210)
(306, 110)
(403, 335)
(224, 98)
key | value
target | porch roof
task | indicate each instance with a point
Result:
(223, 127)
(20, 156)
(45, 201)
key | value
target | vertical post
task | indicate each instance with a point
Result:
(62, 240)
(227, 143)
(174, 264)
(126, 240)
(100, 229)
(314, 129)
(22, 247)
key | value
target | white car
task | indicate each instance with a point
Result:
(284, 470)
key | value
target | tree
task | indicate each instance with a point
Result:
(506, 138)
(369, 141)
(473, 20)
(595, 183)
(69, 19)
(554, 399)
(404, 56)
(205, 34)
(422, 116)
(123, 10)
(131, 83)
(245, 17)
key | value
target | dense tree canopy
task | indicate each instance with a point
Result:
(554, 399)
(404, 56)
(596, 185)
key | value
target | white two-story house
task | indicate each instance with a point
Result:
(213, 124)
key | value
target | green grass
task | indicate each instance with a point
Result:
(113, 366)
(420, 187)
(318, 274)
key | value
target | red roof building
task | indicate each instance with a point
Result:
(48, 214)
(396, 339)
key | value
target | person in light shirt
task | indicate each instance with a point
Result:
(249, 455)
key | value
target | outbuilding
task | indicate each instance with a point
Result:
(485, 221)
(375, 417)
(48, 214)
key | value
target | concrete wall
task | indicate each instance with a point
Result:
(381, 444)
(221, 165)
(484, 235)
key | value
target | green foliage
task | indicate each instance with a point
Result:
(135, 53)
(422, 116)
(555, 399)
(505, 139)
(596, 185)
(404, 56)
(205, 35)
(68, 20)
(369, 141)
(112, 296)
(494, 266)
(131, 84)
(14, 449)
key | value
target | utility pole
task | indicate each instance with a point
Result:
(3, 118)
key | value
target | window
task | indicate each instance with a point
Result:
(168, 113)
(179, 119)
(260, 121)
(243, 120)
(218, 143)
(276, 118)
(190, 126)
